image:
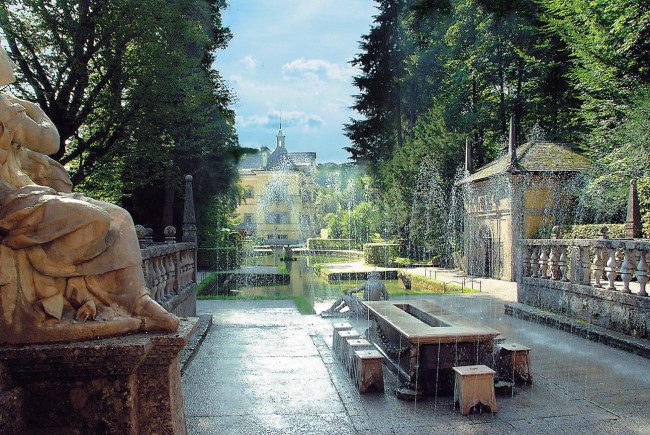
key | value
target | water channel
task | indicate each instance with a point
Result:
(311, 293)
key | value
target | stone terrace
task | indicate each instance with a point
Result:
(264, 368)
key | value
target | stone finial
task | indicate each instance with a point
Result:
(468, 156)
(189, 217)
(555, 232)
(170, 235)
(512, 151)
(140, 232)
(604, 232)
(633, 221)
(148, 236)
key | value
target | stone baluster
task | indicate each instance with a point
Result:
(145, 271)
(584, 261)
(163, 277)
(563, 264)
(150, 274)
(173, 275)
(534, 261)
(554, 263)
(158, 279)
(543, 262)
(185, 267)
(176, 258)
(169, 277)
(527, 251)
(598, 267)
(627, 271)
(611, 269)
(191, 253)
(642, 273)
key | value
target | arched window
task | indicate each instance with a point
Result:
(248, 193)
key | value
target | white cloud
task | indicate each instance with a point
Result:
(291, 119)
(249, 62)
(317, 68)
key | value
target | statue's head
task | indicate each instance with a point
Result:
(373, 275)
(7, 68)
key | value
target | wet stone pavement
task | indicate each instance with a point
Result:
(265, 369)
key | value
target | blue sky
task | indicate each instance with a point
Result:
(291, 57)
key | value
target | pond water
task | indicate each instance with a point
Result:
(312, 293)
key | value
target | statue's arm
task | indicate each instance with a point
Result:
(36, 132)
(358, 289)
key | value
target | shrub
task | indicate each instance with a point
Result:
(218, 258)
(380, 254)
(591, 231)
(333, 244)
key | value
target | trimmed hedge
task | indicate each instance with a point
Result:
(380, 254)
(591, 231)
(227, 258)
(332, 244)
(419, 282)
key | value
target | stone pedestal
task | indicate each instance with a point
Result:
(122, 385)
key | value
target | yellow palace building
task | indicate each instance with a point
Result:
(278, 205)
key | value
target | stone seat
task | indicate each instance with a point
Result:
(474, 385)
(342, 326)
(349, 347)
(368, 372)
(339, 341)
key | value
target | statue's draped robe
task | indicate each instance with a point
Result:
(57, 251)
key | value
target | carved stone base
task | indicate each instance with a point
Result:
(127, 385)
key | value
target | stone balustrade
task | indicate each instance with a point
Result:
(169, 269)
(599, 262)
(600, 281)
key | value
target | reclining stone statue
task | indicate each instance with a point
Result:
(373, 290)
(70, 266)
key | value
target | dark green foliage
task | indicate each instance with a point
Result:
(224, 258)
(131, 88)
(380, 254)
(570, 72)
(332, 243)
(374, 137)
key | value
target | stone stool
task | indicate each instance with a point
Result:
(352, 345)
(516, 361)
(474, 385)
(343, 326)
(368, 370)
(339, 341)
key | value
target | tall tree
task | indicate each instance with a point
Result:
(609, 41)
(374, 137)
(130, 86)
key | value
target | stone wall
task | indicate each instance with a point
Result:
(600, 282)
(625, 313)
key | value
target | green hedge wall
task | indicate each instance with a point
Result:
(591, 231)
(227, 258)
(333, 244)
(380, 254)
